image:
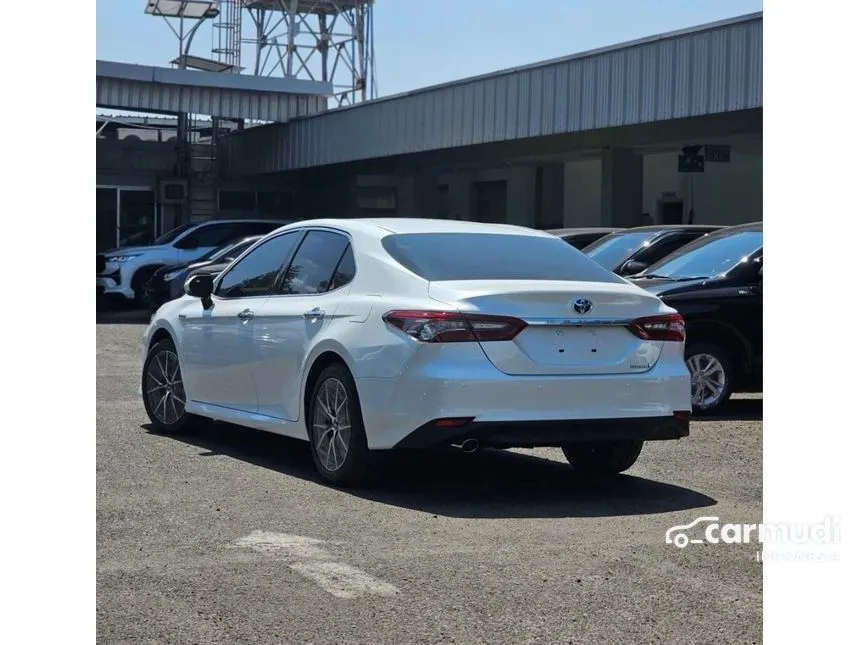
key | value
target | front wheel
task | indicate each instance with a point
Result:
(604, 458)
(711, 376)
(163, 391)
(336, 429)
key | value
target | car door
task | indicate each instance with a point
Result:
(306, 299)
(752, 324)
(218, 343)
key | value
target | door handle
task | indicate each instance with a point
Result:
(316, 312)
(245, 314)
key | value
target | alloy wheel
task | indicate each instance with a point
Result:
(708, 380)
(331, 424)
(164, 389)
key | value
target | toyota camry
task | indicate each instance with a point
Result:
(361, 336)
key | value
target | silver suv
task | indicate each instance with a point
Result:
(122, 272)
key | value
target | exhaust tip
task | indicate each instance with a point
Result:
(469, 446)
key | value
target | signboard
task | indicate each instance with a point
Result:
(718, 154)
(691, 163)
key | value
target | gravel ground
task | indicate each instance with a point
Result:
(228, 537)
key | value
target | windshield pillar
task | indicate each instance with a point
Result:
(620, 187)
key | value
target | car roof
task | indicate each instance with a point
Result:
(585, 230)
(276, 222)
(382, 227)
(731, 230)
(707, 228)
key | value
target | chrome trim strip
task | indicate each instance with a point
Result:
(577, 322)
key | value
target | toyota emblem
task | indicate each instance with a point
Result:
(581, 305)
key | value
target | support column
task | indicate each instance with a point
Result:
(549, 196)
(460, 195)
(621, 188)
(425, 195)
(521, 197)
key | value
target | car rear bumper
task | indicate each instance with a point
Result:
(529, 434)
(463, 384)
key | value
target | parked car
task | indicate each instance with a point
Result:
(579, 238)
(715, 283)
(364, 335)
(632, 250)
(122, 272)
(168, 283)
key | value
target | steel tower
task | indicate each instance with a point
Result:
(321, 40)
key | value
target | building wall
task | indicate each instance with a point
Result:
(724, 194)
(132, 163)
(582, 193)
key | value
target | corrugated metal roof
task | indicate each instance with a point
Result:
(710, 69)
(157, 89)
(198, 78)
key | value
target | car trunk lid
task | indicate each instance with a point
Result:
(573, 328)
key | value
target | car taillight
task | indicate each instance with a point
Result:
(454, 327)
(669, 328)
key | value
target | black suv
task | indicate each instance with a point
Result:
(715, 283)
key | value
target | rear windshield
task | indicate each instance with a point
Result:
(491, 256)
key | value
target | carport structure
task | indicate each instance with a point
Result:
(605, 109)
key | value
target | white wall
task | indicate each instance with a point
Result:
(582, 193)
(724, 194)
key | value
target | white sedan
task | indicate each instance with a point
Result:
(364, 335)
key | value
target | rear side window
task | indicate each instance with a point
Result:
(345, 271)
(314, 264)
(491, 256)
(255, 274)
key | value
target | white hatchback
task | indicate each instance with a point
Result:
(365, 335)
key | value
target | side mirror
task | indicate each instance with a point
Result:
(201, 285)
(760, 269)
(632, 267)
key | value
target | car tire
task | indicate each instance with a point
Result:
(163, 391)
(698, 357)
(602, 458)
(340, 460)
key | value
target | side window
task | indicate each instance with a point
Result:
(345, 271)
(256, 273)
(313, 266)
(660, 251)
(215, 235)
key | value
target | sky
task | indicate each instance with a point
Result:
(423, 42)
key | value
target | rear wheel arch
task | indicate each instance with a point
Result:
(724, 336)
(327, 358)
